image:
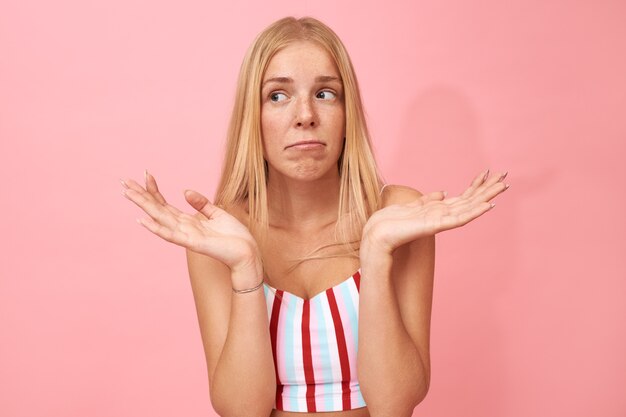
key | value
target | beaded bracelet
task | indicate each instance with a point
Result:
(247, 290)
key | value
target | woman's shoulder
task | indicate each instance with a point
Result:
(398, 194)
(239, 211)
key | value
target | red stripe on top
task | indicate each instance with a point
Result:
(341, 347)
(307, 358)
(273, 336)
(357, 281)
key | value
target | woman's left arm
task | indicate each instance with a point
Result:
(397, 266)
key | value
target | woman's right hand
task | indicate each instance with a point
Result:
(212, 232)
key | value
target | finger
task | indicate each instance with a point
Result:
(200, 203)
(458, 219)
(155, 228)
(181, 236)
(474, 212)
(479, 179)
(133, 185)
(173, 210)
(434, 196)
(494, 179)
(488, 182)
(426, 198)
(476, 182)
(152, 188)
(490, 192)
(146, 202)
(165, 233)
(464, 206)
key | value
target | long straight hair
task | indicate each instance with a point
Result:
(244, 175)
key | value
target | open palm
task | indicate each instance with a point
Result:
(397, 224)
(212, 231)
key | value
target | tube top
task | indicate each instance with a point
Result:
(314, 343)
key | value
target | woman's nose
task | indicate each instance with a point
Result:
(305, 113)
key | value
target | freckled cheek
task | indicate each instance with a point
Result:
(272, 123)
(336, 121)
(334, 113)
(273, 130)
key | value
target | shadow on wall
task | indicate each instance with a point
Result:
(441, 133)
(475, 265)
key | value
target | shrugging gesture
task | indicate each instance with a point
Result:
(212, 232)
(395, 225)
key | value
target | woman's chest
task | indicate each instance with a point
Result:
(307, 267)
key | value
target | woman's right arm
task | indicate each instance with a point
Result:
(222, 255)
(235, 335)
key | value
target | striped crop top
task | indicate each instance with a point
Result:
(314, 343)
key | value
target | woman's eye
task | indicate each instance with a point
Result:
(276, 97)
(326, 95)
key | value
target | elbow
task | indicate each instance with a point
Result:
(419, 388)
(403, 403)
(419, 391)
(259, 406)
(241, 410)
(400, 409)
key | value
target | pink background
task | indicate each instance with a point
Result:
(96, 315)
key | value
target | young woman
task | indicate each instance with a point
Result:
(312, 280)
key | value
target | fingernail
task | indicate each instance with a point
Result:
(445, 193)
(503, 176)
(506, 186)
(124, 184)
(486, 175)
(145, 175)
(493, 205)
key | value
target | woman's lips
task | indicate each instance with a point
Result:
(306, 144)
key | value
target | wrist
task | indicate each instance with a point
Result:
(249, 289)
(374, 256)
(376, 264)
(247, 273)
(372, 247)
(247, 259)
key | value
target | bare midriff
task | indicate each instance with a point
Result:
(359, 412)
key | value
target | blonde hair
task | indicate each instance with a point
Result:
(244, 175)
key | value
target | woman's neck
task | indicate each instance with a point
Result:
(302, 205)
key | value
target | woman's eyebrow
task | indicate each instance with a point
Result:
(319, 79)
(278, 80)
(327, 78)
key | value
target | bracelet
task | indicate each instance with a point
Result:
(247, 290)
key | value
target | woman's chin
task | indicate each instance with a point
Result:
(310, 172)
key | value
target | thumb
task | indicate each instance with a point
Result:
(436, 195)
(199, 202)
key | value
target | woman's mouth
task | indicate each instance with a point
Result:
(306, 144)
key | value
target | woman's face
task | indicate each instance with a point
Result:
(302, 113)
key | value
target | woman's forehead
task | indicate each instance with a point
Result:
(301, 58)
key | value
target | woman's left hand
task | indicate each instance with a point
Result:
(396, 225)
